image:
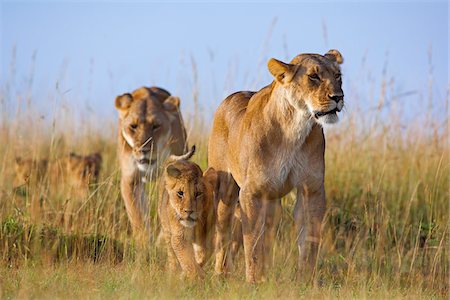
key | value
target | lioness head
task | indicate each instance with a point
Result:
(188, 189)
(83, 170)
(314, 81)
(145, 124)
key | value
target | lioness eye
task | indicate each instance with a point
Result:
(133, 126)
(198, 194)
(180, 194)
(314, 77)
(338, 76)
(156, 126)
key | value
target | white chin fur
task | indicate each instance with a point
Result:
(147, 171)
(328, 119)
(188, 224)
(143, 167)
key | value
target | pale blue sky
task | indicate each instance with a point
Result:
(97, 50)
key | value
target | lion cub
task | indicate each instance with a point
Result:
(186, 212)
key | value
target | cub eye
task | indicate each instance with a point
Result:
(198, 194)
(314, 77)
(156, 126)
(133, 126)
(180, 194)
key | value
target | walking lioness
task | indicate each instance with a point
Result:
(266, 143)
(186, 212)
(150, 128)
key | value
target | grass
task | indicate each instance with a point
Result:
(385, 234)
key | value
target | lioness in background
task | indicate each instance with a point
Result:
(150, 128)
(72, 174)
(76, 171)
(27, 170)
(82, 170)
(264, 144)
(186, 212)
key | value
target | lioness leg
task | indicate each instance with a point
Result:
(226, 203)
(136, 207)
(308, 213)
(273, 216)
(253, 215)
(236, 232)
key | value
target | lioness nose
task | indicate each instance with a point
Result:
(336, 97)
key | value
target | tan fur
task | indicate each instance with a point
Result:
(72, 175)
(187, 219)
(29, 170)
(150, 128)
(82, 170)
(266, 143)
(75, 170)
(273, 217)
(80, 173)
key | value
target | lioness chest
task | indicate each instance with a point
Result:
(279, 175)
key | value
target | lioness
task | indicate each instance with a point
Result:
(150, 128)
(264, 144)
(186, 211)
(27, 170)
(78, 170)
(82, 170)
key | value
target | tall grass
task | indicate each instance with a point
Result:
(385, 233)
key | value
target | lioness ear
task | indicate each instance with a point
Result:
(282, 72)
(172, 103)
(123, 102)
(335, 56)
(97, 156)
(210, 176)
(172, 171)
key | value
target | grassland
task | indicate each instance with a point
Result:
(385, 234)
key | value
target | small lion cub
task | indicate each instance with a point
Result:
(186, 212)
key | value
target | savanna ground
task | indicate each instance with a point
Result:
(385, 234)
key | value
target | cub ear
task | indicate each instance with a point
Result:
(173, 171)
(172, 103)
(123, 102)
(210, 176)
(283, 73)
(334, 56)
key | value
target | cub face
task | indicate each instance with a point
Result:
(145, 124)
(189, 190)
(314, 82)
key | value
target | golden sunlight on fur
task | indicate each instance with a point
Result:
(150, 129)
(186, 212)
(264, 144)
